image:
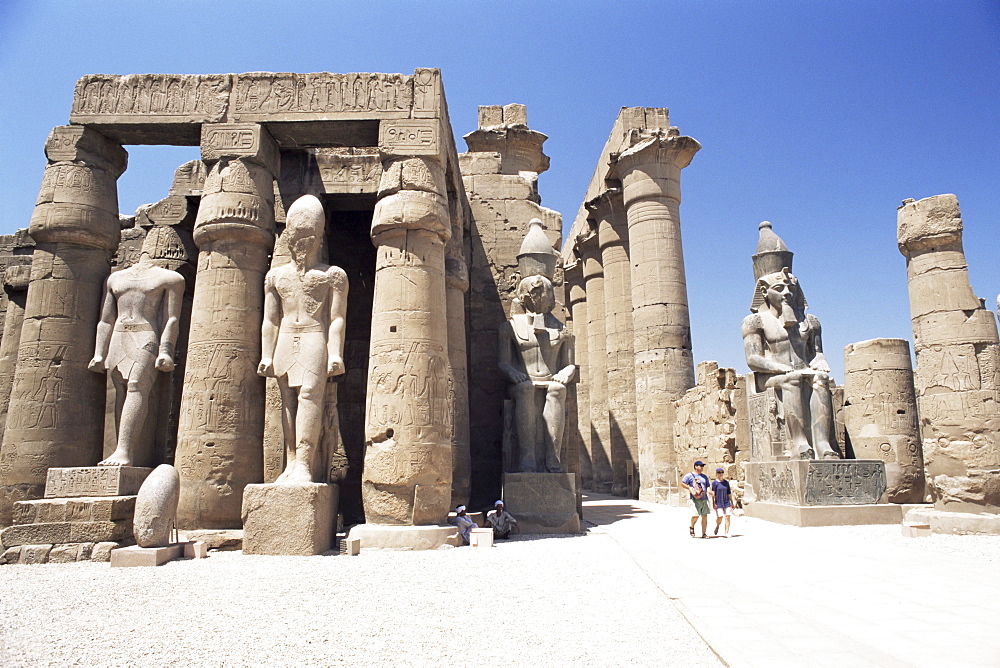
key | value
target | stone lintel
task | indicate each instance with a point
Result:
(250, 141)
(77, 144)
(406, 137)
(927, 223)
(94, 481)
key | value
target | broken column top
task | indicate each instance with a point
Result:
(935, 219)
(504, 130)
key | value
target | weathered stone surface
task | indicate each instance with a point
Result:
(289, 518)
(880, 413)
(34, 554)
(65, 553)
(66, 532)
(817, 483)
(542, 502)
(94, 481)
(15, 283)
(156, 507)
(958, 360)
(55, 416)
(135, 555)
(82, 509)
(102, 551)
(383, 536)
(783, 347)
(11, 555)
(217, 539)
(597, 365)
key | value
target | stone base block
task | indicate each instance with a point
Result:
(916, 530)
(75, 509)
(542, 502)
(94, 481)
(66, 532)
(942, 521)
(816, 482)
(216, 539)
(426, 537)
(145, 556)
(825, 516)
(481, 538)
(352, 546)
(195, 549)
(298, 519)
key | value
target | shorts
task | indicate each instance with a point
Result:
(699, 507)
(722, 512)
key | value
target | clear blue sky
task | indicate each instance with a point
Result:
(817, 116)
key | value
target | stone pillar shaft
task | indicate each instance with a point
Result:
(408, 421)
(16, 280)
(56, 404)
(220, 435)
(614, 243)
(457, 283)
(597, 373)
(578, 308)
(958, 359)
(664, 368)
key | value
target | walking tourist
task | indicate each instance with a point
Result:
(722, 500)
(696, 483)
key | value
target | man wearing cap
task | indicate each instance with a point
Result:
(501, 521)
(464, 523)
(696, 483)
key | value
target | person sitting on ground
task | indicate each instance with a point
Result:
(722, 500)
(501, 521)
(464, 523)
(696, 483)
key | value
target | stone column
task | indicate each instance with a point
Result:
(577, 300)
(220, 435)
(880, 413)
(456, 285)
(958, 359)
(597, 362)
(56, 412)
(408, 463)
(650, 172)
(612, 233)
(15, 283)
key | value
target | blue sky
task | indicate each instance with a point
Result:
(817, 116)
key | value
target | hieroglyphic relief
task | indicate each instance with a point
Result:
(221, 398)
(767, 439)
(94, 481)
(200, 97)
(261, 94)
(844, 483)
(410, 391)
(775, 483)
(341, 172)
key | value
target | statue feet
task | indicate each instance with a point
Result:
(118, 458)
(295, 473)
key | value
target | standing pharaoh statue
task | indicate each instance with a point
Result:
(784, 348)
(536, 356)
(305, 302)
(140, 320)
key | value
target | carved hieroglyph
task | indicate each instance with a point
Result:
(784, 349)
(650, 171)
(536, 356)
(140, 321)
(55, 416)
(880, 412)
(221, 415)
(408, 462)
(305, 302)
(958, 359)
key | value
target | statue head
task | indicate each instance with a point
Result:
(164, 246)
(304, 226)
(780, 291)
(536, 294)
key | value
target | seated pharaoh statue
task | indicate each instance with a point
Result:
(302, 336)
(140, 320)
(536, 356)
(784, 349)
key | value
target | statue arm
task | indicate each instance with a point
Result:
(109, 313)
(505, 358)
(171, 324)
(567, 362)
(753, 347)
(269, 328)
(338, 313)
(818, 360)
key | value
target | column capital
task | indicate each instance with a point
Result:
(81, 144)
(248, 141)
(411, 210)
(930, 223)
(606, 205)
(652, 167)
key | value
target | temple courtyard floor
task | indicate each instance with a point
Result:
(635, 589)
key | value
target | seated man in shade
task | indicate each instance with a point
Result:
(501, 521)
(464, 523)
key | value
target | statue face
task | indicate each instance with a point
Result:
(536, 294)
(780, 290)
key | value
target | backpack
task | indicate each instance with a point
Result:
(697, 488)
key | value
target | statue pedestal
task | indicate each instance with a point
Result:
(811, 492)
(289, 519)
(542, 502)
(405, 537)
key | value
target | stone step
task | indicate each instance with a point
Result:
(65, 532)
(78, 509)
